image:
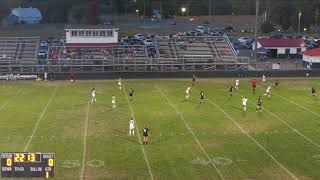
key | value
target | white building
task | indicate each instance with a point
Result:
(282, 48)
(311, 58)
(91, 36)
(27, 15)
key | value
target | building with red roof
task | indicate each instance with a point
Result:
(311, 58)
(282, 48)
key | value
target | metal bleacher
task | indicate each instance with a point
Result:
(19, 50)
(178, 53)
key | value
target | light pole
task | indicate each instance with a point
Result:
(256, 32)
(299, 23)
(137, 11)
(210, 12)
(317, 14)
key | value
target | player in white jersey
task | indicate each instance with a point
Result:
(119, 83)
(237, 84)
(131, 126)
(93, 95)
(113, 101)
(268, 92)
(188, 90)
(244, 103)
(263, 79)
(45, 77)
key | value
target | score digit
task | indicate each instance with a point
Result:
(50, 162)
(9, 162)
(31, 157)
(19, 157)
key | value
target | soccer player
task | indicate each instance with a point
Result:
(244, 103)
(202, 97)
(120, 83)
(93, 95)
(276, 84)
(145, 134)
(237, 85)
(72, 77)
(113, 100)
(131, 126)
(230, 90)
(188, 90)
(268, 93)
(45, 77)
(259, 104)
(193, 80)
(254, 85)
(263, 79)
(313, 91)
(131, 94)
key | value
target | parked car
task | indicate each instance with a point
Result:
(139, 36)
(173, 23)
(148, 42)
(43, 43)
(56, 42)
(245, 40)
(63, 40)
(228, 28)
(200, 29)
(42, 54)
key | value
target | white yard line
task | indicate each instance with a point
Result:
(255, 141)
(39, 119)
(292, 128)
(191, 132)
(299, 105)
(10, 99)
(136, 124)
(84, 153)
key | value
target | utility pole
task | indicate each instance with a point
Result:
(256, 32)
(144, 8)
(210, 12)
(317, 14)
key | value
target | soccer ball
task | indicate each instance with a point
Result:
(307, 74)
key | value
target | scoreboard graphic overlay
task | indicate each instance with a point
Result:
(27, 165)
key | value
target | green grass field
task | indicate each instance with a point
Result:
(215, 140)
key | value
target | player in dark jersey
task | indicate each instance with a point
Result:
(193, 80)
(145, 134)
(259, 104)
(202, 101)
(276, 84)
(131, 94)
(231, 90)
(313, 91)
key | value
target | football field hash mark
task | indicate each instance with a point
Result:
(254, 140)
(136, 124)
(191, 132)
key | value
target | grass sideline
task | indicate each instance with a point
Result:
(278, 147)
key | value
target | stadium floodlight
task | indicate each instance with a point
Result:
(183, 9)
(299, 23)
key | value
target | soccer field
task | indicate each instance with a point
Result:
(215, 140)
